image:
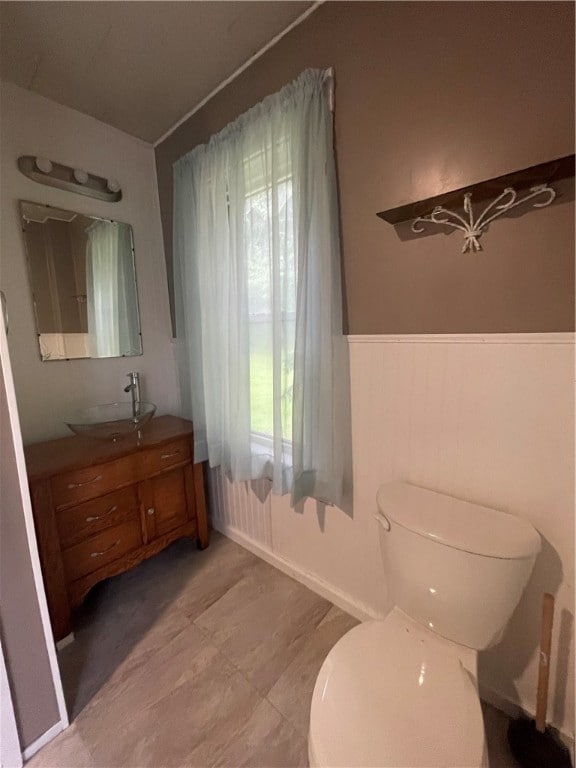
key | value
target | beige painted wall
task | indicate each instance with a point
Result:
(46, 391)
(430, 97)
(23, 639)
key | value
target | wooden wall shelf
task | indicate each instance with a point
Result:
(484, 191)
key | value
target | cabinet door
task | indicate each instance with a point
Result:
(168, 501)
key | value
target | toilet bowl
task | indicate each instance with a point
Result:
(402, 697)
(402, 692)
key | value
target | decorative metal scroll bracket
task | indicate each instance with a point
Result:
(474, 228)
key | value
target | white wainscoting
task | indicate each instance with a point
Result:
(487, 418)
(242, 507)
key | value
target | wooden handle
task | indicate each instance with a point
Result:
(86, 482)
(91, 518)
(544, 663)
(105, 551)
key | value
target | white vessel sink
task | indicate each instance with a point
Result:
(111, 421)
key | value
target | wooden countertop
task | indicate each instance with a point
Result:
(75, 452)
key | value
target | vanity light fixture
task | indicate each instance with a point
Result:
(77, 180)
(80, 175)
(500, 195)
(43, 164)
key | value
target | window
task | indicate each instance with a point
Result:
(272, 283)
(258, 295)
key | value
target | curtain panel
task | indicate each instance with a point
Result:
(112, 300)
(257, 271)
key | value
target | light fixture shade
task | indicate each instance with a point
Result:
(77, 180)
(43, 164)
(80, 175)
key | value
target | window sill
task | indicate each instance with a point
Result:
(263, 445)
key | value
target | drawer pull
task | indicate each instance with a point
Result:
(169, 455)
(86, 482)
(105, 551)
(99, 517)
(151, 511)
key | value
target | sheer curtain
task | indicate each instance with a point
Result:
(258, 295)
(112, 302)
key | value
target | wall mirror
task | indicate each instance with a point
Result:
(83, 281)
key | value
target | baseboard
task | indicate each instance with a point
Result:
(509, 707)
(342, 600)
(514, 709)
(65, 641)
(41, 741)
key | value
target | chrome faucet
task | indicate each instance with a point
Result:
(134, 388)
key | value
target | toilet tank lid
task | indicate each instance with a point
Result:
(458, 524)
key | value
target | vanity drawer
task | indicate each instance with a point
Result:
(84, 484)
(167, 455)
(78, 523)
(104, 548)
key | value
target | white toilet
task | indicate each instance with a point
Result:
(402, 692)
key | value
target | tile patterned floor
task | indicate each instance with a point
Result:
(201, 659)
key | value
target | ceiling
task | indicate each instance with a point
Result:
(139, 66)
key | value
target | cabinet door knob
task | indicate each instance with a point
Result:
(151, 511)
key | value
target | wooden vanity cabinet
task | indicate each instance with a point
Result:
(100, 508)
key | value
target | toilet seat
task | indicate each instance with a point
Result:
(391, 693)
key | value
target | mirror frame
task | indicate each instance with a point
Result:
(21, 203)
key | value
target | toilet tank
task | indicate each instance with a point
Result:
(457, 568)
